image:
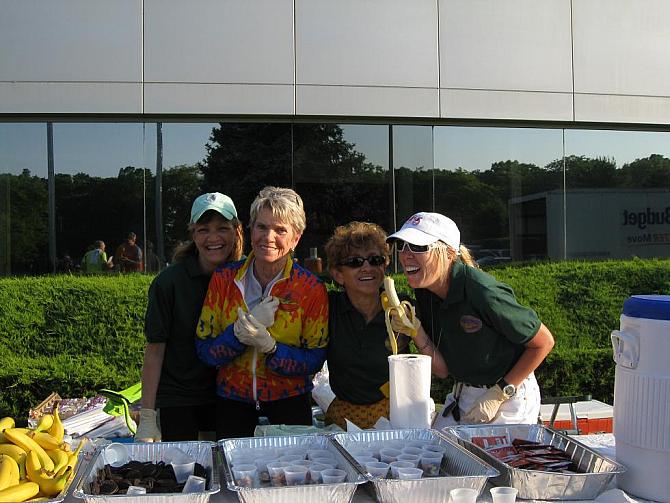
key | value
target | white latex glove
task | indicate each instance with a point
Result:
(251, 332)
(147, 430)
(408, 324)
(265, 311)
(485, 407)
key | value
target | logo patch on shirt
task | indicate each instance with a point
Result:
(470, 324)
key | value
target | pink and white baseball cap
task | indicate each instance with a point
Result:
(426, 228)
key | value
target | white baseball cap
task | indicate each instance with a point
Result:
(426, 228)
(216, 201)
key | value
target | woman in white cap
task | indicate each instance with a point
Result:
(174, 380)
(472, 324)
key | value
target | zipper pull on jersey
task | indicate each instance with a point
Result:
(258, 405)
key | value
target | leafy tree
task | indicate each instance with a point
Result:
(181, 185)
(584, 172)
(649, 172)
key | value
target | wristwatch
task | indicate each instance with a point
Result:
(509, 390)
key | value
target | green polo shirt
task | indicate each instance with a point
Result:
(175, 300)
(357, 352)
(480, 328)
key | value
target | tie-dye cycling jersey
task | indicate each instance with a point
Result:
(300, 329)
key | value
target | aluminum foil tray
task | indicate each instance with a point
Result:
(597, 471)
(202, 452)
(335, 493)
(460, 467)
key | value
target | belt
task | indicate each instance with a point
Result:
(484, 386)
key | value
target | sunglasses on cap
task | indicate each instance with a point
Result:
(356, 262)
(405, 245)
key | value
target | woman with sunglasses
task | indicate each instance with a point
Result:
(489, 343)
(358, 348)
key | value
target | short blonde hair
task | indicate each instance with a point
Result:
(284, 204)
(355, 235)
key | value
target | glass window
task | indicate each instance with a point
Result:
(24, 240)
(618, 194)
(341, 172)
(101, 188)
(492, 182)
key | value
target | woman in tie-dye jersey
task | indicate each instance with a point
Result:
(264, 323)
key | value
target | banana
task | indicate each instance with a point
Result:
(46, 421)
(57, 429)
(7, 468)
(52, 486)
(59, 457)
(403, 310)
(5, 422)
(33, 467)
(28, 444)
(46, 440)
(74, 457)
(18, 455)
(20, 492)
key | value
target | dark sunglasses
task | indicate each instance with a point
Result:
(402, 245)
(356, 262)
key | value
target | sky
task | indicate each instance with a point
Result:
(101, 149)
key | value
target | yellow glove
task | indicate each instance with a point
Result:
(405, 321)
(147, 430)
(486, 407)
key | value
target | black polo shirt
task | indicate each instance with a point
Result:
(176, 296)
(357, 352)
(480, 328)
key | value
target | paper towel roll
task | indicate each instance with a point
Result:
(411, 405)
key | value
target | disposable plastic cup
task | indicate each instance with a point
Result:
(412, 458)
(276, 471)
(296, 451)
(176, 455)
(314, 472)
(330, 463)
(290, 458)
(194, 484)
(365, 459)
(399, 464)
(242, 459)
(295, 475)
(333, 476)
(262, 466)
(504, 494)
(463, 495)
(116, 454)
(302, 462)
(416, 443)
(311, 453)
(377, 469)
(389, 455)
(410, 473)
(393, 444)
(435, 448)
(412, 450)
(322, 455)
(246, 475)
(136, 490)
(362, 452)
(183, 470)
(431, 463)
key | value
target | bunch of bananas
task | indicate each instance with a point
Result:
(35, 464)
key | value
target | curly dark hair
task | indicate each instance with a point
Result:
(355, 235)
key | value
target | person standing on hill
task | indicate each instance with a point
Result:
(174, 380)
(95, 261)
(129, 255)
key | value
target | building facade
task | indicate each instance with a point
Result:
(114, 115)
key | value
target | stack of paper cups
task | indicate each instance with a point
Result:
(411, 405)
